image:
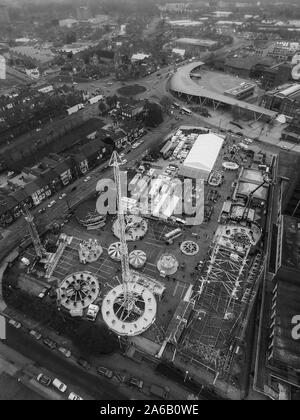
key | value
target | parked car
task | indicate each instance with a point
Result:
(284, 147)
(74, 397)
(15, 324)
(159, 391)
(41, 211)
(105, 372)
(136, 382)
(67, 353)
(84, 363)
(51, 204)
(43, 293)
(62, 196)
(44, 380)
(59, 385)
(50, 343)
(35, 334)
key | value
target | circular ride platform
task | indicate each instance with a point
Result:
(137, 258)
(189, 248)
(129, 309)
(167, 265)
(90, 251)
(78, 291)
(114, 251)
(135, 229)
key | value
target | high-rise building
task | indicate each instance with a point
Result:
(4, 16)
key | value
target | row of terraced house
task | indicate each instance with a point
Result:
(36, 184)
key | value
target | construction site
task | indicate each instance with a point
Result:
(177, 291)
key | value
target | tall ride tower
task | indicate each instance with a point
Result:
(130, 308)
(39, 249)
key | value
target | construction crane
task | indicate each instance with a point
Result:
(36, 240)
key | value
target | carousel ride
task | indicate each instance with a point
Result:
(135, 228)
(137, 258)
(114, 251)
(89, 251)
(167, 265)
(189, 248)
(77, 291)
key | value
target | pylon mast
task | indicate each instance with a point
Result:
(39, 249)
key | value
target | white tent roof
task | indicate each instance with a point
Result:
(204, 153)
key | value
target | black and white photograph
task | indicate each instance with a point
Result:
(149, 203)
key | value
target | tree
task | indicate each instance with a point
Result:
(154, 114)
(102, 108)
(93, 339)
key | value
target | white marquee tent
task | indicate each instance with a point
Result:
(202, 157)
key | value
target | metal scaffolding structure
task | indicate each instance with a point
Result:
(223, 300)
(36, 240)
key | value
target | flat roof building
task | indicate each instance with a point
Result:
(202, 157)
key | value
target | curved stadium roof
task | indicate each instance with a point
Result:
(182, 83)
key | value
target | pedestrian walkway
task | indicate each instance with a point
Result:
(11, 257)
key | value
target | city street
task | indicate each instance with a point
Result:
(42, 360)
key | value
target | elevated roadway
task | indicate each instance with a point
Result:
(184, 86)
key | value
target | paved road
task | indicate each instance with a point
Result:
(76, 378)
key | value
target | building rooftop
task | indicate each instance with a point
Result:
(291, 243)
(197, 42)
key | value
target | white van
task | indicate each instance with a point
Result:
(59, 385)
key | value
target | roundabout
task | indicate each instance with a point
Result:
(189, 248)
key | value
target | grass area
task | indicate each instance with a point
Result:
(131, 90)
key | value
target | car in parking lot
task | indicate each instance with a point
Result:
(105, 372)
(74, 397)
(136, 382)
(59, 385)
(15, 324)
(35, 334)
(41, 211)
(43, 293)
(50, 343)
(51, 204)
(62, 196)
(44, 380)
(66, 352)
(84, 363)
